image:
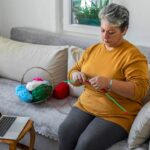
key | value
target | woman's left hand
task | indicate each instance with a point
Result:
(99, 83)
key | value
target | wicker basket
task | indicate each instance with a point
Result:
(46, 89)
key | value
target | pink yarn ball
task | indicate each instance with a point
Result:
(38, 79)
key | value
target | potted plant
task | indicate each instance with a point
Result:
(89, 14)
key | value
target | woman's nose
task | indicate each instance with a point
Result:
(106, 36)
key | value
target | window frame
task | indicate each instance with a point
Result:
(76, 28)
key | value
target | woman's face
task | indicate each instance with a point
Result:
(112, 36)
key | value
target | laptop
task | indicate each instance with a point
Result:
(11, 126)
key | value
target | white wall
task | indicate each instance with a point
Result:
(31, 13)
(42, 14)
(139, 22)
(0, 20)
(138, 32)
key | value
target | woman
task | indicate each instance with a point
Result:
(115, 66)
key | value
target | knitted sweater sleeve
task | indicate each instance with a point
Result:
(136, 71)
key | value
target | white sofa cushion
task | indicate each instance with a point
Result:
(140, 130)
(74, 54)
(17, 57)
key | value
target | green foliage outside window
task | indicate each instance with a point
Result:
(88, 15)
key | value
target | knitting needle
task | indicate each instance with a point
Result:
(70, 81)
(107, 95)
(112, 99)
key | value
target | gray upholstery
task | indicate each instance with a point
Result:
(37, 36)
(145, 51)
(43, 37)
(49, 38)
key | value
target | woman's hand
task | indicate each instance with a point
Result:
(79, 77)
(99, 83)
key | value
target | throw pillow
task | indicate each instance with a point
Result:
(17, 57)
(140, 130)
(74, 54)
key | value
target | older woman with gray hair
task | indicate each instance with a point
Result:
(113, 68)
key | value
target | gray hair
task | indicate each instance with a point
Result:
(116, 15)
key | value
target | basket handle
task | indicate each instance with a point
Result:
(22, 79)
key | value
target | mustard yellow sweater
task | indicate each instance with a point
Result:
(125, 63)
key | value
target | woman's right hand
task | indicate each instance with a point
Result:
(79, 77)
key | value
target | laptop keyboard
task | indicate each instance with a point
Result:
(5, 124)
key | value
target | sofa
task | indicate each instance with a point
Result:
(22, 54)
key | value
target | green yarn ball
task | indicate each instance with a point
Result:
(41, 92)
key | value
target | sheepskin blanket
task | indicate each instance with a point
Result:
(47, 116)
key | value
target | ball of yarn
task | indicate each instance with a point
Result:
(23, 93)
(41, 92)
(20, 88)
(38, 79)
(61, 91)
(33, 84)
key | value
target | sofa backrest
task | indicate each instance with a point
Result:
(37, 36)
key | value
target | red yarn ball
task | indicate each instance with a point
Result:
(61, 91)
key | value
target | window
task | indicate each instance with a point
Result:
(82, 15)
(86, 11)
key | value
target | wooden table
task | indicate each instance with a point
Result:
(14, 144)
